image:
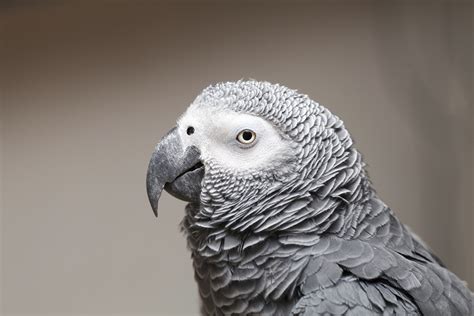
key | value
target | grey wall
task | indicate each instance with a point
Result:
(88, 88)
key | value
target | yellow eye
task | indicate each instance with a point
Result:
(246, 137)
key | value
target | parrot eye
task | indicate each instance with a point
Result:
(246, 137)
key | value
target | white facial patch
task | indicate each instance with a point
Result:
(215, 134)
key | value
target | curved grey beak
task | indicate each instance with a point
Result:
(174, 168)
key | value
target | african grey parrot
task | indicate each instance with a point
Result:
(282, 217)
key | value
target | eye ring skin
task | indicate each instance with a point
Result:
(243, 134)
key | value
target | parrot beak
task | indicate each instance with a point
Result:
(176, 169)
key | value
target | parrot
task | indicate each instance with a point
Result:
(282, 217)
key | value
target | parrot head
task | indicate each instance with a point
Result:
(244, 147)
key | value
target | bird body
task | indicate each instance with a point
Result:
(285, 219)
(375, 268)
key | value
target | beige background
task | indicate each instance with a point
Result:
(87, 89)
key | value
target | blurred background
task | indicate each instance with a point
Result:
(88, 88)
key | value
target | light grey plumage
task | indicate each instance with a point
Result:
(306, 234)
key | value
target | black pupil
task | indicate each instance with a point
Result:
(246, 135)
(190, 130)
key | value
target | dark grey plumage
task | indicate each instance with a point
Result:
(307, 235)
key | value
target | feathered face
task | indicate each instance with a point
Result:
(244, 156)
(239, 146)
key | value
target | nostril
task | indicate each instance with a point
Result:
(190, 130)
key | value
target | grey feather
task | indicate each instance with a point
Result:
(307, 235)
